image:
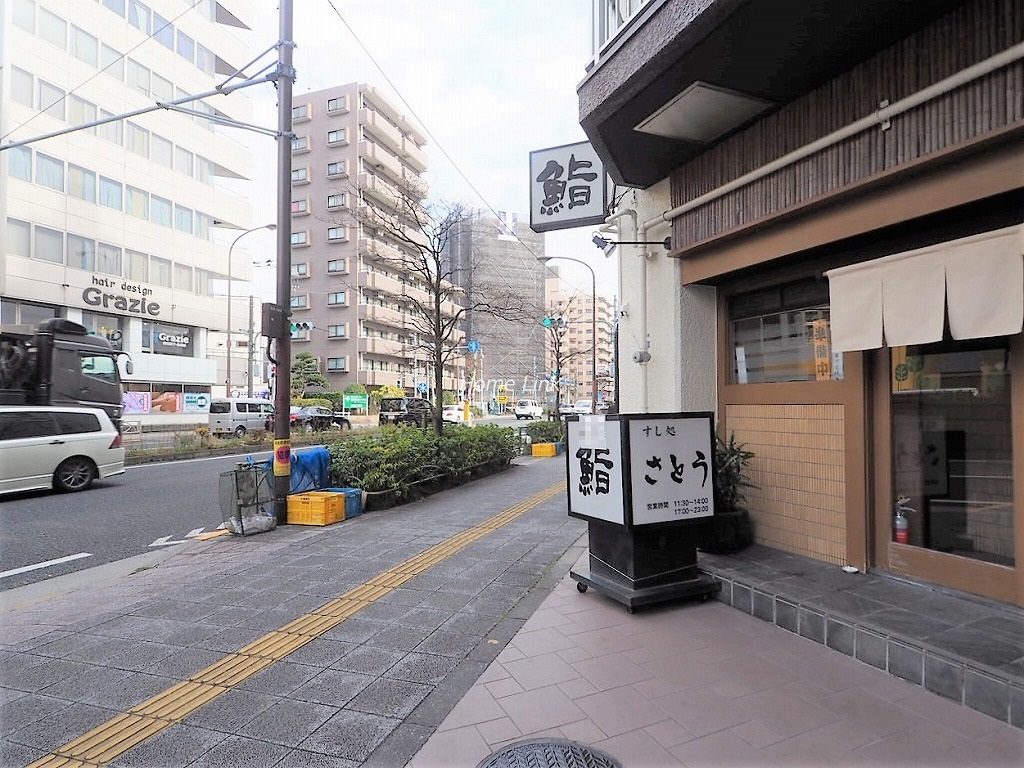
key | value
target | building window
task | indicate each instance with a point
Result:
(111, 194)
(138, 76)
(300, 144)
(24, 13)
(117, 6)
(300, 207)
(186, 47)
(300, 301)
(111, 62)
(53, 29)
(139, 16)
(136, 202)
(19, 238)
(160, 211)
(51, 99)
(336, 299)
(112, 131)
(337, 364)
(183, 219)
(21, 87)
(161, 151)
(81, 253)
(338, 104)
(49, 245)
(182, 277)
(184, 161)
(337, 266)
(20, 166)
(300, 113)
(337, 200)
(49, 172)
(300, 238)
(337, 136)
(300, 175)
(300, 270)
(108, 259)
(339, 168)
(85, 47)
(81, 111)
(163, 31)
(952, 447)
(163, 89)
(204, 170)
(782, 334)
(337, 234)
(205, 60)
(336, 331)
(160, 270)
(137, 266)
(81, 183)
(138, 140)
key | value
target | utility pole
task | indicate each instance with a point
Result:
(283, 346)
(252, 340)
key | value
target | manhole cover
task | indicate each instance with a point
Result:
(549, 753)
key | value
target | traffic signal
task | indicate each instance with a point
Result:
(300, 327)
(547, 322)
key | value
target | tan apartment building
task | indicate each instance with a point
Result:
(585, 341)
(350, 293)
(844, 189)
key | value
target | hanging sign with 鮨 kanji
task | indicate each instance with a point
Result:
(568, 188)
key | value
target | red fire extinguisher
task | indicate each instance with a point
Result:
(902, 523)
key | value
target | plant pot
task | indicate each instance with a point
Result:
(728, 532)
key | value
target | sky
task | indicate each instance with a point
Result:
(488, 80)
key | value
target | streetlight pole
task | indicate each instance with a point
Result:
(231, 249)
(593, 323)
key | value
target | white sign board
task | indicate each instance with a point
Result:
(595, 471)
(671, 476)
(568, 188)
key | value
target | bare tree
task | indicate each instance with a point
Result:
(557, 325)
(418, 232)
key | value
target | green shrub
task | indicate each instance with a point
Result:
(546, 431)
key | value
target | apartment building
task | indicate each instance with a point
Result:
(585, 341)
(350, 290)
(112, 226)
(844, 187)
(488, 255)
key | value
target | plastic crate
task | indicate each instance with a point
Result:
(545, 450)
(316, 508)
(353, 500)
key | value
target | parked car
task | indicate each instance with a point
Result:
(564, 409)
(405, 410)
(452, 414)
(528, 409)
(583, 406)
(63, 448)
(316, 418)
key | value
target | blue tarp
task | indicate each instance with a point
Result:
(309, 469)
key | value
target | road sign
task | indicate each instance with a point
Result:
(355, 400)
(473, 345)
(422, 387)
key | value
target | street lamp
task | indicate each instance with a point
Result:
(230, 250)
(593, 323)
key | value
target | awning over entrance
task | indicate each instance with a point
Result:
(903, 299)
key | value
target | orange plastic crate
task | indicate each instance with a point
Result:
(544, 449)
(316, 508)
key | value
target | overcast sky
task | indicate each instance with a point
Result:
(489, 81)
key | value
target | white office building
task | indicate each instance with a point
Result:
(113, 226)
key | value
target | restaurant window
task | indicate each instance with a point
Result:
(781, 334)
(952, 448)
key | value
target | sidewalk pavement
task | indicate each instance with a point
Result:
(434, 634)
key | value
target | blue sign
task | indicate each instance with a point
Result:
(473, 346)
(422, 387)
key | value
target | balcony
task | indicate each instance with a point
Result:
(383, 315)
(681, 76)
(376, 187)
(382, 283)
(380, 129)
(377, 346)
(380, 158)
(413, 154)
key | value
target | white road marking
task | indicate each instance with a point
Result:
(47, 564)
(165, 541)
(194, 532)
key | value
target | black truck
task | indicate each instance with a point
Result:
(59, 362)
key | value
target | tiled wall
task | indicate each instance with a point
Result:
(799, 503)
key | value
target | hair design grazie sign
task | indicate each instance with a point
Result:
(105, 292)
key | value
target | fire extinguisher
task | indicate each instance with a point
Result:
(902, 523)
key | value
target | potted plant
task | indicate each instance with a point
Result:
(730, 529)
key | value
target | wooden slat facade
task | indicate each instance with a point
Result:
(974, 32)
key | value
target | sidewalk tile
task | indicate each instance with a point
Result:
(287, 721)
(175, 747)
(637, 748)
(816, 749)
(541, 708)
(477, 706)
(619, 710)
(460, 747)
(333, 687)
(722, 750)
(540, 670)
(351, 735)
(702, 711)
(498, 731)
(390, 698)
(234, 751)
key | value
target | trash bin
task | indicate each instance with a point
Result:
(247, 499)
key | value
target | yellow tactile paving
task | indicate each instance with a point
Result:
(113, 738)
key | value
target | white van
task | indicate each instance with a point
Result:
(238, 415)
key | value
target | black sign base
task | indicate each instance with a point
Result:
(640, 566)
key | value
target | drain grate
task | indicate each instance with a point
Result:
(549, 753)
